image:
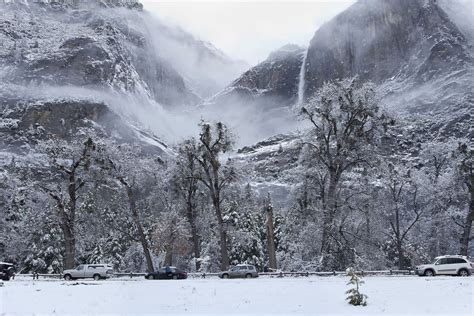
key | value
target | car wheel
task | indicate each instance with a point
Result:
(175, 277)
(150, 277)
(463, 273)
(225, 276)
(96, 277)
(248, 276)
(429, 273)
(67, 277)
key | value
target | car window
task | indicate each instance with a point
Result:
(94, 267)
(81, 267)
(243, 267)
(251, 267)
(442, 261)
(235, 269)
(162, 270)
(456, 260)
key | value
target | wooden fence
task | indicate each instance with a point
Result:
(279, 274)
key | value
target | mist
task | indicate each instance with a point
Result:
(461, 12)
(249, 30)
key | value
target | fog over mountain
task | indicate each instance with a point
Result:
(166, 71)
(116, 127)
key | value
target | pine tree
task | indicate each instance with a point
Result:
(354, 296)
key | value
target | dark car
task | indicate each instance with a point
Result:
(7, 271)
(167, 273)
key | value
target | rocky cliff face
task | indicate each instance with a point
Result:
(274, 81)
(109, 65)
(412, 49)
(381, 40)
(415, 52)
(73, 46)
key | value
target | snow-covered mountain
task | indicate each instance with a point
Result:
(63, 62)
(119, 57)
(274, 81)
(413, 49)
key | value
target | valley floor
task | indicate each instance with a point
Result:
(397, 295)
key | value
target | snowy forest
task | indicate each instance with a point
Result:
(362, 199)
(129, 142)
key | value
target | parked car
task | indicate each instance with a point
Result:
(7, 271)
(167, 273)
(95, 271)
(240, 271)
(447, 265)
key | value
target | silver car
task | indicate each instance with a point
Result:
(448, 265)
(240, 271)
(95, 271)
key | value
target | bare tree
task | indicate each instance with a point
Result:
(171, 235)
(216, 177)
(185, 179)
(68, 160)
(403, 204)
(134, 173)
(346, 121)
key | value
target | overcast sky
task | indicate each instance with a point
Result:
(249, 30)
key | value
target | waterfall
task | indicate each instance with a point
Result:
(301, 80)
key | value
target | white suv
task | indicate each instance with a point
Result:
(95, 271)
(450, 265)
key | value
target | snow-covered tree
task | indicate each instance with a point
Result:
(137, 179)
(64, 183)
(215, 140)
(171, 234)
(185, 177)
(347, 125)
(465, 175)
(404, 203)
(354, 296)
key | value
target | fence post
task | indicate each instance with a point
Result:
(334, 273)
(131, 275)
(391, 272)
(203, 275)
(307, 274)
(281, 274)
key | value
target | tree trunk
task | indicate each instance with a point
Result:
(330, 212)
(138, 225)
(272, 264)
(191, 215)
(169, 256)
(222, 236)
(466, 234)
(69, 245)
(69, 218)
(400, 254)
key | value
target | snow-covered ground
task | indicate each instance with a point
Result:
(287, 296)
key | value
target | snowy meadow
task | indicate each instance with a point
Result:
(407, 295)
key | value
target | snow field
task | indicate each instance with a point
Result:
(287, 296)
